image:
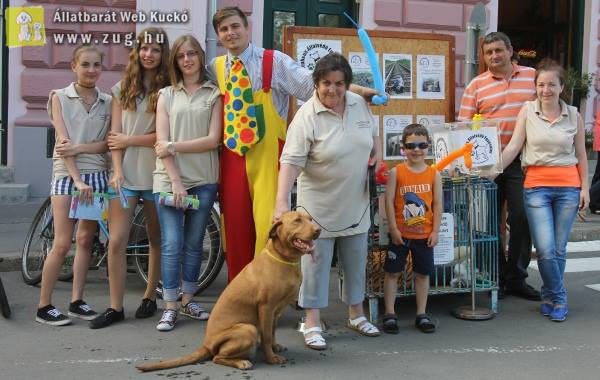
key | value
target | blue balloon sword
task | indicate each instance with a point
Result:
(368, 46)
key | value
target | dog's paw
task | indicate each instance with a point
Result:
(244, 364)
(275, 359)
(278, 347)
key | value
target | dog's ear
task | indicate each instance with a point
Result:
(274, 227)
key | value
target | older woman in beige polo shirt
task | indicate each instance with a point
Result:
(556, 186)
(328, 147)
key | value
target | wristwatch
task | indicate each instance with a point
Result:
(171, 148)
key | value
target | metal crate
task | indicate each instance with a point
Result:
(472, 202)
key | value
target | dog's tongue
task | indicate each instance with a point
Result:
(306, 247)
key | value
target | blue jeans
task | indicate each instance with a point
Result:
(182, 235)
(551, 212)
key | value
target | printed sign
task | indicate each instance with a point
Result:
(431, 77)
(25, 26)
(397, 73)
(443, 252)
(310, 51)
(393, 126)
(361, 70)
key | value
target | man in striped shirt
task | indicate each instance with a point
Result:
(499, 94)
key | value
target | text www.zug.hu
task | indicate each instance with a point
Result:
(127, 39)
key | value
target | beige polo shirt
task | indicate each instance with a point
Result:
(333, 153)
(189, 118)
(549, 143)
(83, 127)
(138, 161)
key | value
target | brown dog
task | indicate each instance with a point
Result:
(249, 307)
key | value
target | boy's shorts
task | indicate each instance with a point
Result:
(146, 195)
(422, 257)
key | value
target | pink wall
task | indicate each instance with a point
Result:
(48, 67)
(425, 16)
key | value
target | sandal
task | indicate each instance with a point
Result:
(424, 323)
(362, 326)
(316, 340)
(390, 324)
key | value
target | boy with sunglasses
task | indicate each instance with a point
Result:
(413, 205)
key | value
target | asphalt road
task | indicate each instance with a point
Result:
(518, 343)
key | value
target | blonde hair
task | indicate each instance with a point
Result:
(84, 48)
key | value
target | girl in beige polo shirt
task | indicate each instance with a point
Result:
(131, 141)
(188, 131)
(80, 114)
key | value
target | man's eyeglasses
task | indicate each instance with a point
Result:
(413, 146)
(190, 54)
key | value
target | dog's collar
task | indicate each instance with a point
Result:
(280, 260)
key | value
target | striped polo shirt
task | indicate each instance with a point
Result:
(495, 97)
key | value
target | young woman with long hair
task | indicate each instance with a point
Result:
(131, 141)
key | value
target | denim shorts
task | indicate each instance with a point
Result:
(146, 195)
(422, 256)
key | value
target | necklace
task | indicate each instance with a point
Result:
(86, 103)
(81, 97)
(81, 85)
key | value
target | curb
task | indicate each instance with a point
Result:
(10, 262)
(585, 235)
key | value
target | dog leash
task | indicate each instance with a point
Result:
(334, 231)
(294, 263)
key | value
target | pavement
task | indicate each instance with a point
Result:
(518, 342)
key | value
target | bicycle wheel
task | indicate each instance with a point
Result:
(213, 256)
(4, 307)
(38, 243)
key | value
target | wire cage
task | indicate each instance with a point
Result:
(472, 202)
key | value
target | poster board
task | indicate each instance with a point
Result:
(417, 94)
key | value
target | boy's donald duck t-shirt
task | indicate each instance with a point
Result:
(412, 205)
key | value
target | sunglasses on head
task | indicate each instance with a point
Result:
(412, 146)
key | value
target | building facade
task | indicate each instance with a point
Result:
(34, 71)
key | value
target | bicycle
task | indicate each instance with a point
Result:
(41, 234)
(4, 306)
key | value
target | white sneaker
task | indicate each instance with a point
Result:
(167, 322)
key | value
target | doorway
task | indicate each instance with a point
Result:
(544, 29)
(326, 13)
